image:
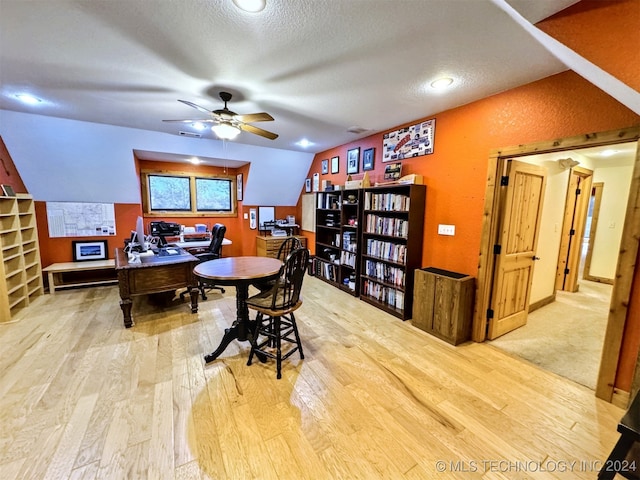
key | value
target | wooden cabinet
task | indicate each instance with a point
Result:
(268, 246)
(443, 304)
(338, 217)
(20, 269)
(392, 234)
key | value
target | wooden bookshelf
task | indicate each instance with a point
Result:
(20, 269)
(391, 246)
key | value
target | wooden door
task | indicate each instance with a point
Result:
(521, 209)
(575, 217)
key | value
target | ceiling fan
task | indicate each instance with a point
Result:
(228, 124)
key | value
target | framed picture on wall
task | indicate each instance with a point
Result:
(325, 167)
(335, 164)
(307, 185)
(367, 159)
(353, 159)
(95, 250)
(239, 185)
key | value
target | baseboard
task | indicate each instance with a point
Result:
(620, 398)
(541, 303)
(608, 281)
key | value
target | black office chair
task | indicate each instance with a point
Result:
(214, 251)
(275, 321)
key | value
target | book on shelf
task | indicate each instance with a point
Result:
(395, 202)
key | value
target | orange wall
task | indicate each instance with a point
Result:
(8, 172)
(559, 106)
(455, 174)
(603, 32)
(54, 250)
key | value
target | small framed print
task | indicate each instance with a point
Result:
(239, 185)
(96, 250)
(325, 167)
(367, 159)
(353, 159)
(307, 185)
(335, 164)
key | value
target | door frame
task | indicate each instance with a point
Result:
(575, 216)
(626, 259)
(597, 188)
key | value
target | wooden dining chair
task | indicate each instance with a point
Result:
(286, 247)
(275, 321)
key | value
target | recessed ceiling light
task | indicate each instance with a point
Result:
(199, 126)
(28, 99)
(608, 153)
(304, 143)
(441, 83)
(252, 6)
(195, 160)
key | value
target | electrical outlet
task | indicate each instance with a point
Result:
(446, 230)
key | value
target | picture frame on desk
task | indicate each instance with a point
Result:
(93, 250)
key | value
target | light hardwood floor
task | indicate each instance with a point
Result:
(81, 397)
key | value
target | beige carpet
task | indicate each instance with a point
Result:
(566, 336)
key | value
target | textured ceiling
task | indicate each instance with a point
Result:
(318, 67)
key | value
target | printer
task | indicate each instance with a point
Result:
(164, 229)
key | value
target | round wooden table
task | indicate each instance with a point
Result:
(239, 272)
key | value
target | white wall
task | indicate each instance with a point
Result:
(606, 244)
(544, 272)
(68, 160)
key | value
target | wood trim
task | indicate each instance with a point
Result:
(596, 189)
(575, 217)
(486, 261)
(626, 261)
(608, 281)
(621, 398)
(542, 302)
(621, 291)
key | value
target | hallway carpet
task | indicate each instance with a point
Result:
(566, 336)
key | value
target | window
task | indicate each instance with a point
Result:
(183, 194)
(213, 194)
(169, 193)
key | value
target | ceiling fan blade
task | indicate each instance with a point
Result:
(254, 117)
(258, 131)
(197, 107)
(200, 120)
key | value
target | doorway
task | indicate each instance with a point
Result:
(624, 263)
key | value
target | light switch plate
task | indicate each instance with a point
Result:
(446, 230)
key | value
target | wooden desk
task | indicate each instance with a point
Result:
(155, 274)
(239, 272)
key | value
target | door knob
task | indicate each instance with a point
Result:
(535, 258)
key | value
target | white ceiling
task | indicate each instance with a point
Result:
(318, 67)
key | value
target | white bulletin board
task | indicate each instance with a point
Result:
(75, 219)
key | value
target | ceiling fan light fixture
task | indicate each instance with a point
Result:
(226, 131)
(252, 6)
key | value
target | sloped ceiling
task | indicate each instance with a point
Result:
(319, 67)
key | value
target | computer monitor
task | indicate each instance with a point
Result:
(140, 235)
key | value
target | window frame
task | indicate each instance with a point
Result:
(193, 211)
